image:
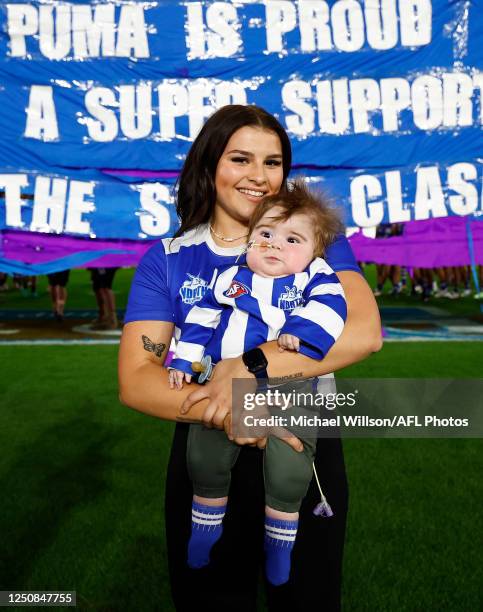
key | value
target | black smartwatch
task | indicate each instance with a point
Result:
(256, 362)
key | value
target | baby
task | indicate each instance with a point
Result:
(287, 292)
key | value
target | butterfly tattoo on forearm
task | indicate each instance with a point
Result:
(151, 347)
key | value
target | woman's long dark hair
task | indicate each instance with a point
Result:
(196, 185)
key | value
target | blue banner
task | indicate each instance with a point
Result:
(357, 84)
(87, 204)
(382, 100)
(90, 204)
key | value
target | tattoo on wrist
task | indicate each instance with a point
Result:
(280, 379)
(151, 347)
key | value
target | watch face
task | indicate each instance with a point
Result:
(255, 360)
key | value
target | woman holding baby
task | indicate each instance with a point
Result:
(241, 156)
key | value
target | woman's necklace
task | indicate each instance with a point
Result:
(224, 238)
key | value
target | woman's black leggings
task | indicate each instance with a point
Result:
(230, 581)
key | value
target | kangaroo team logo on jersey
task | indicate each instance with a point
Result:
(290, 299)
(193, 290)
(235, 290)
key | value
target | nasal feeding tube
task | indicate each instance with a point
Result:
(262, 245)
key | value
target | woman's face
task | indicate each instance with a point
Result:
(249, 169)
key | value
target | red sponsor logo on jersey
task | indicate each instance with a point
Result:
(235, 290)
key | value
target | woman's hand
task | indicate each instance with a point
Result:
(258, 442)
(261, 443)
(218, 412)
(218, 391)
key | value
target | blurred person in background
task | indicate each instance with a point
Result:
(102, 279)
(58, 292)
(387, 271)
(27, 285)
(3, 281)
(479, 293)
(465, 277)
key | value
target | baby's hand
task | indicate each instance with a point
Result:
(287, 341)
(176, 378)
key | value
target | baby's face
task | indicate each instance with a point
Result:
(281, 247)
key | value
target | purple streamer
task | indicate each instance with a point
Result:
(32, 248)
(424, 244)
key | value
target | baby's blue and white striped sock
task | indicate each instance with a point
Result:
(279, 542)
(206, 530)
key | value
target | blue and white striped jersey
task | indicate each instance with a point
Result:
(175, 274)
(244, 310)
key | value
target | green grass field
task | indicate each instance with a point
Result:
(80, 295)
(83, 479)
